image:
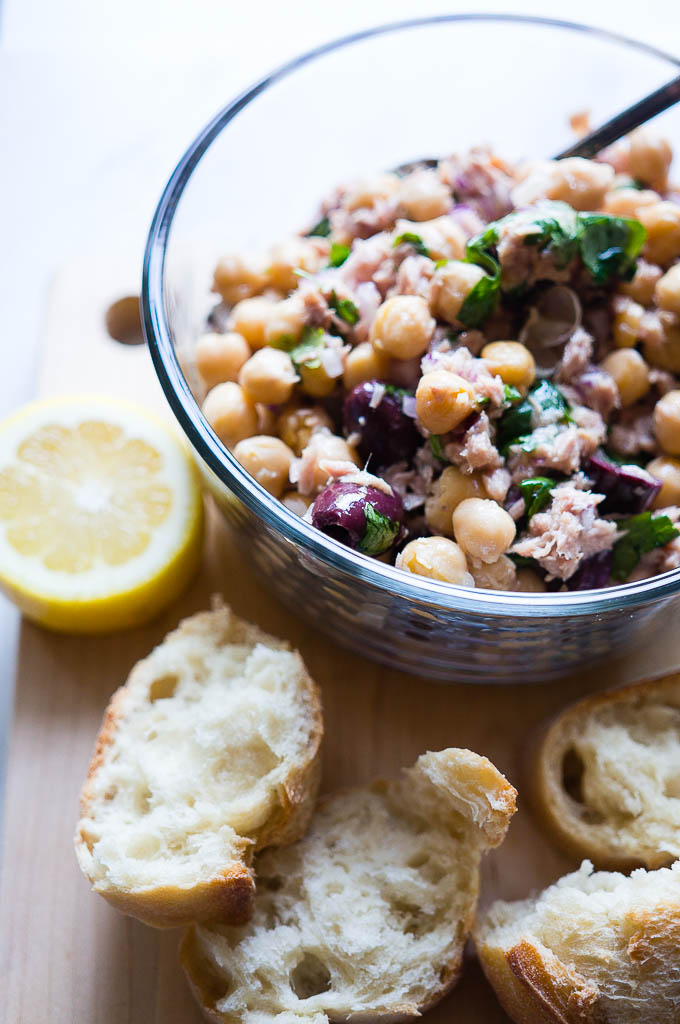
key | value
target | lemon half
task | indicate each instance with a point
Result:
(101, 516)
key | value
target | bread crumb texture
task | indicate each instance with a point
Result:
(206, 752)
(609, 772)
(595, 947)
(367, 915)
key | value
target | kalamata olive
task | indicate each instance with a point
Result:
(362, 517)
(593, 573)
(627, 489)
(374, 411)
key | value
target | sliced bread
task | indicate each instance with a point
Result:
(366, 917)
(209, 752)
(606, 778)
(595, 948)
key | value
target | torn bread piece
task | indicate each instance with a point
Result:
(209, 752)
(606, 778)
(594, 948)
(366, 917)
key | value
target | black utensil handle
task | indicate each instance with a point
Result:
(626, 121)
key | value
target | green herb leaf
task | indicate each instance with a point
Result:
(510, 393)
(516, 423)
(308, 351)
(437, 448)
(609, 245)
(381, 531)
(481, 301)
(345, 309)
(338, 254)
(321, 230)
(524, 562)
(481, 401)
(299, 272)
(440, 263)
(416, 241)
(286, 342)
(536, 493)
(644, 532)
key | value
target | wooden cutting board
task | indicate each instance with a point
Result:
(65, 955)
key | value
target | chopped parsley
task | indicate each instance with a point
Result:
(437, 448)
(510, 393)
(536, 493)
(338, 254)
(644, 532)
(516, 424)
(608, 246)
(320, 230)
(381, 531)
(482, 299)
(345, 309)
(409, 238)
(309, 350)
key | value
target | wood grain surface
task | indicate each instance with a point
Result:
(65, 955)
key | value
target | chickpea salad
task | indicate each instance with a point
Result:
(469, 369)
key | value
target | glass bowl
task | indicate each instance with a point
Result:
(255, 174)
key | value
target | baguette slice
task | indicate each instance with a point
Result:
(208, 752)
(595, 948)
(366, 917)
(606, 780)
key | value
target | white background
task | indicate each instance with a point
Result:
(98, 99)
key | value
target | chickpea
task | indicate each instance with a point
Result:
(662, 224)
(269, 376)
(529, 582)
(443, 400)
(316, 382)
(512, 361)
(452, 487)
(451, 285)
(370, 191)
(666, 355)
(424, 196)
(641, 288)
(437, 558)
(627, 202)
(649, 157)
(239, 277)
(249, 318)
(323, 447)
(296, 425)
(667, 291)
(402, 327)
(626, 328)
(667, 470)
(267, 459)
(498, 575)
(630, 373)
(667, 422)
(364, 363)
(287, 257)
(483, 529)
(443, 237)
(284, 321)
(296, 502)
(219, 357)
(581, 183)
(230, 412)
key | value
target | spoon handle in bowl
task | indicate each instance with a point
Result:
(626, 121)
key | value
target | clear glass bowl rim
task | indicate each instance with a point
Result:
(388, 579)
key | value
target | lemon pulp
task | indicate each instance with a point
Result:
(100, 513)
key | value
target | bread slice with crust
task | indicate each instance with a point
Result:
(366, 917)
(595, 948)
(209, 752)
(606, 776)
